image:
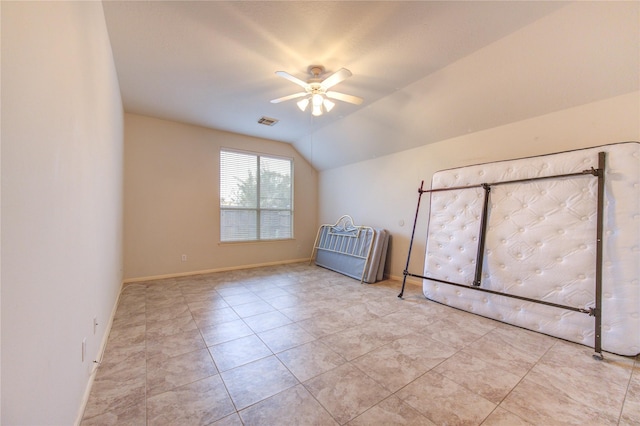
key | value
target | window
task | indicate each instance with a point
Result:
(256, 197)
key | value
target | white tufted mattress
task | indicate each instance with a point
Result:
(541, 244)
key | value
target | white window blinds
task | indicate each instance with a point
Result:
(256, 201)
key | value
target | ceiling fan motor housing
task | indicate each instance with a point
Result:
(316, 71)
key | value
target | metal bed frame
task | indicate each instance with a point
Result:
(595, 311)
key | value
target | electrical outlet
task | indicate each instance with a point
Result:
(184, 257)
(84, 348)
(95, 324)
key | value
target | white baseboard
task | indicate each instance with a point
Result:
(210, 271)
(98, 359)
(410, 280)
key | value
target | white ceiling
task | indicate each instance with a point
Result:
(427, 70)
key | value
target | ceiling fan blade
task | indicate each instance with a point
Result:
(346, 98)
(293, 79)
(286, 98)
(335, 78)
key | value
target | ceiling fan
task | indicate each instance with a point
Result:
(316, 90)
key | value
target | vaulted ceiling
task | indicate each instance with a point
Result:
(427, 70)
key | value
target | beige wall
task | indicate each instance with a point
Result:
(172, 201)
(383, 192)
(62, 147)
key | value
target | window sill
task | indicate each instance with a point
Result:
(230, 243)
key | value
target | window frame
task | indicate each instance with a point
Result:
(258, 209)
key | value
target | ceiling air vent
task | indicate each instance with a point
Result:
(267, 121)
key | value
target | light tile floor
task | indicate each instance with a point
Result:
(298, 344)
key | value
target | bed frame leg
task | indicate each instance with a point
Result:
(404, 281)
(413, 232)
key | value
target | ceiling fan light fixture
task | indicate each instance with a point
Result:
(328, 105)
(302, 104)
(316, 90)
